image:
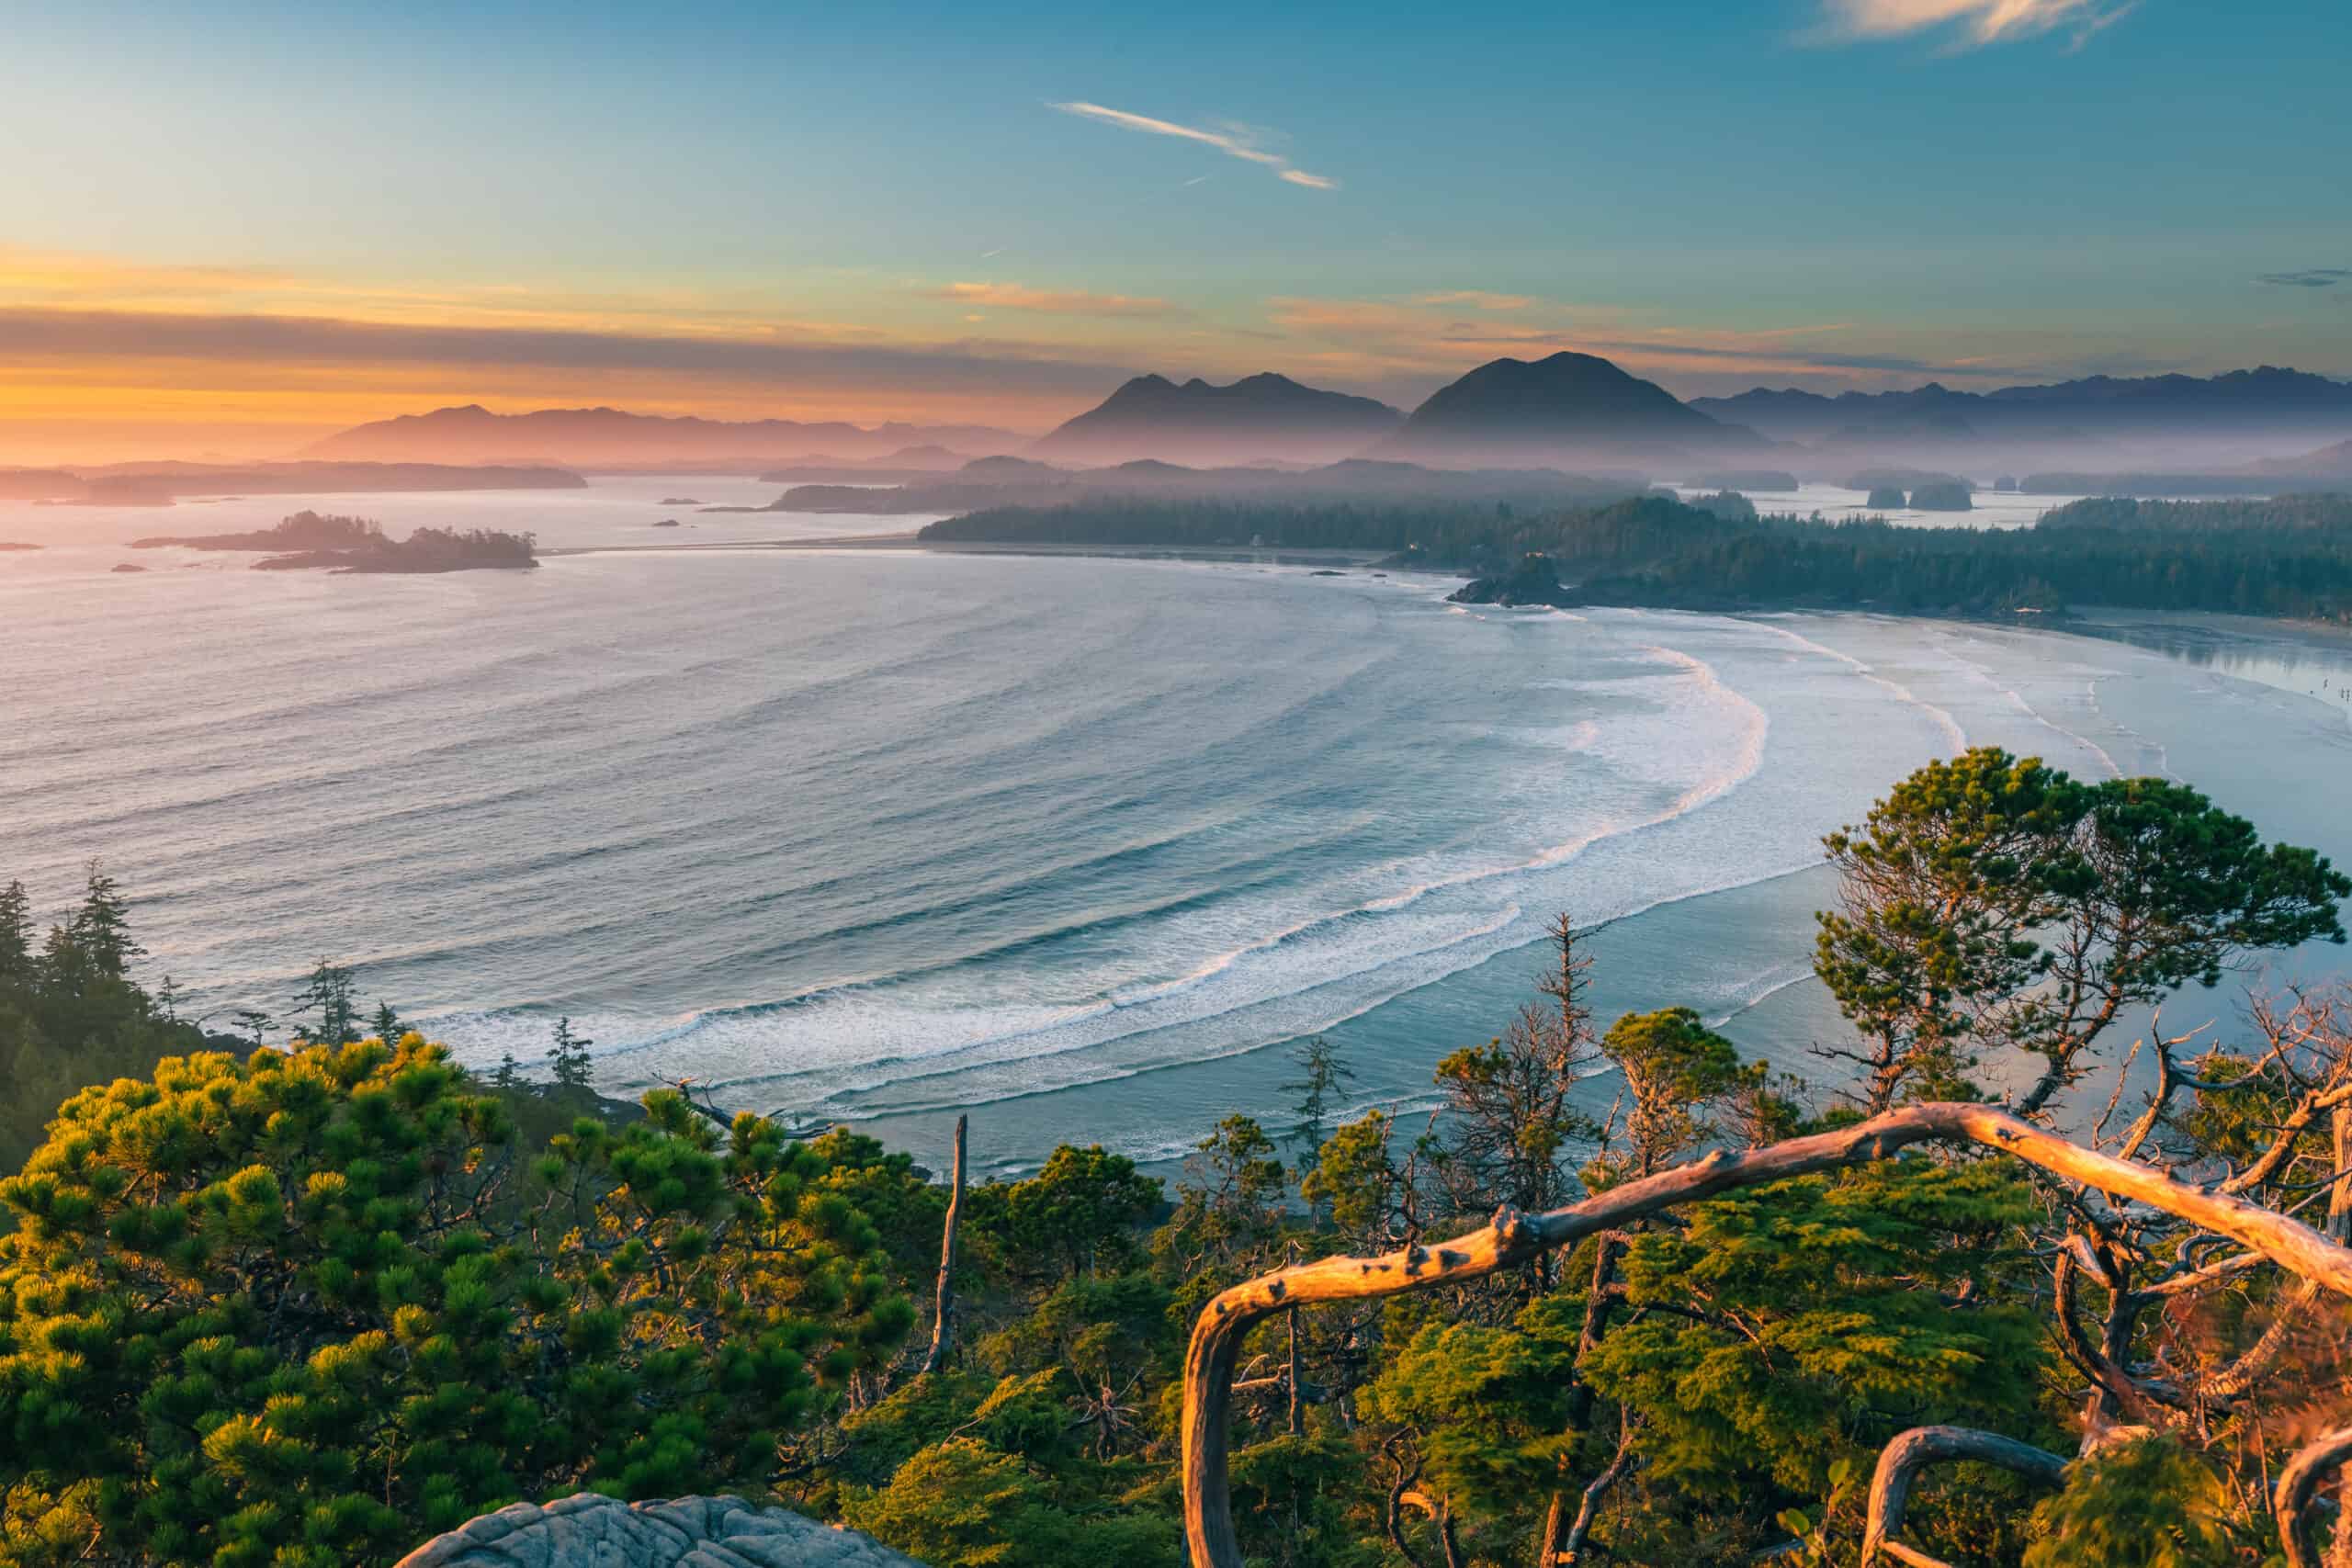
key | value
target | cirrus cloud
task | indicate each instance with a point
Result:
(1477, 299)
(1976, 22)
(1233, 143)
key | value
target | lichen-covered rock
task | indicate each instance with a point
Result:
(592, 1531)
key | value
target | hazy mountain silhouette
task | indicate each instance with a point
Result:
(1575, 408)
(603, 437)
(1260, 418)
(2330, 463)
(2265, 397)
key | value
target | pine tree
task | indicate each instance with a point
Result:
(292, 1311)
(1322, 1077)
(101, 927)
(16, 935)
(329, 1002)
(572, 1064)
(385, 1024)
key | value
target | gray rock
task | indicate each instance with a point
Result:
(592, 1531)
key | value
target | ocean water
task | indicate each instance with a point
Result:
(1989, 509)
(1080, 845)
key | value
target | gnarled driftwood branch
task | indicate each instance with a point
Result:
(1901, 1461)
(1514, 1238)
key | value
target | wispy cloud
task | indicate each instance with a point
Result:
(1477, 299)
(1055, 301)
(2310, 278)
(1233, 143)
(32, 332)
(1972, 22)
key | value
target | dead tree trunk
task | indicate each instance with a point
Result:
(1514, 1238)
(1552, 1546)
(942, 1318)
(1901, 1461)
(1298, 1399)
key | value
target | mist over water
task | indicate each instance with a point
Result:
(879, 835)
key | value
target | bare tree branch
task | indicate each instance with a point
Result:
(1514, 1238)
(1901, 1461)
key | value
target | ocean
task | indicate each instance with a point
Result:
(1082, 846)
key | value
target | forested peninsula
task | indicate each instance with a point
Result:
(1971, 1289)
(2287, 555)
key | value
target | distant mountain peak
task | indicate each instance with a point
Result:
(1257, 418)
(610, 437)
(1567, 406)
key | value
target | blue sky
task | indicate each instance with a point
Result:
(902, 209)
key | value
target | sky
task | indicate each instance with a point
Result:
(232, 227)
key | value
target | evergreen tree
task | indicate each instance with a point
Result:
(318, 1329)
(101, 927)
(329, 1004)
(1230, 1205)
(16, 935)
(1076, 1215)
(1322, 1077)
(385, 1024)
(573, 1067)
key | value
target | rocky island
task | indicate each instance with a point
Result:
(313, 541)
(1535, 581)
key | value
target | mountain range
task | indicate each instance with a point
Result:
(1567, 411)
(2266, 396)
(1260, 418)
(610, 438)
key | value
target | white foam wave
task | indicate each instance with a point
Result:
(1944, 720)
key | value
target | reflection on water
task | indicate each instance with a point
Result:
(2313, 661)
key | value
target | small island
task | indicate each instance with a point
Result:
(678, 500)
(1952, 495)
(665, 523)
(1535, 581)
(126, 566)
(1885, 497)
(313, 541)
(6, 545)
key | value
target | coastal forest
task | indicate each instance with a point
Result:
(2046, 1262)
(2288, 555)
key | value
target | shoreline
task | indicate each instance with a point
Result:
(2082, 621)
(910, 543)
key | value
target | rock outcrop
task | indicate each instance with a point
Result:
(592, 1531)
(1536, 580)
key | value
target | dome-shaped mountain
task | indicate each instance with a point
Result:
(1566, 408)
(1255, 418)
